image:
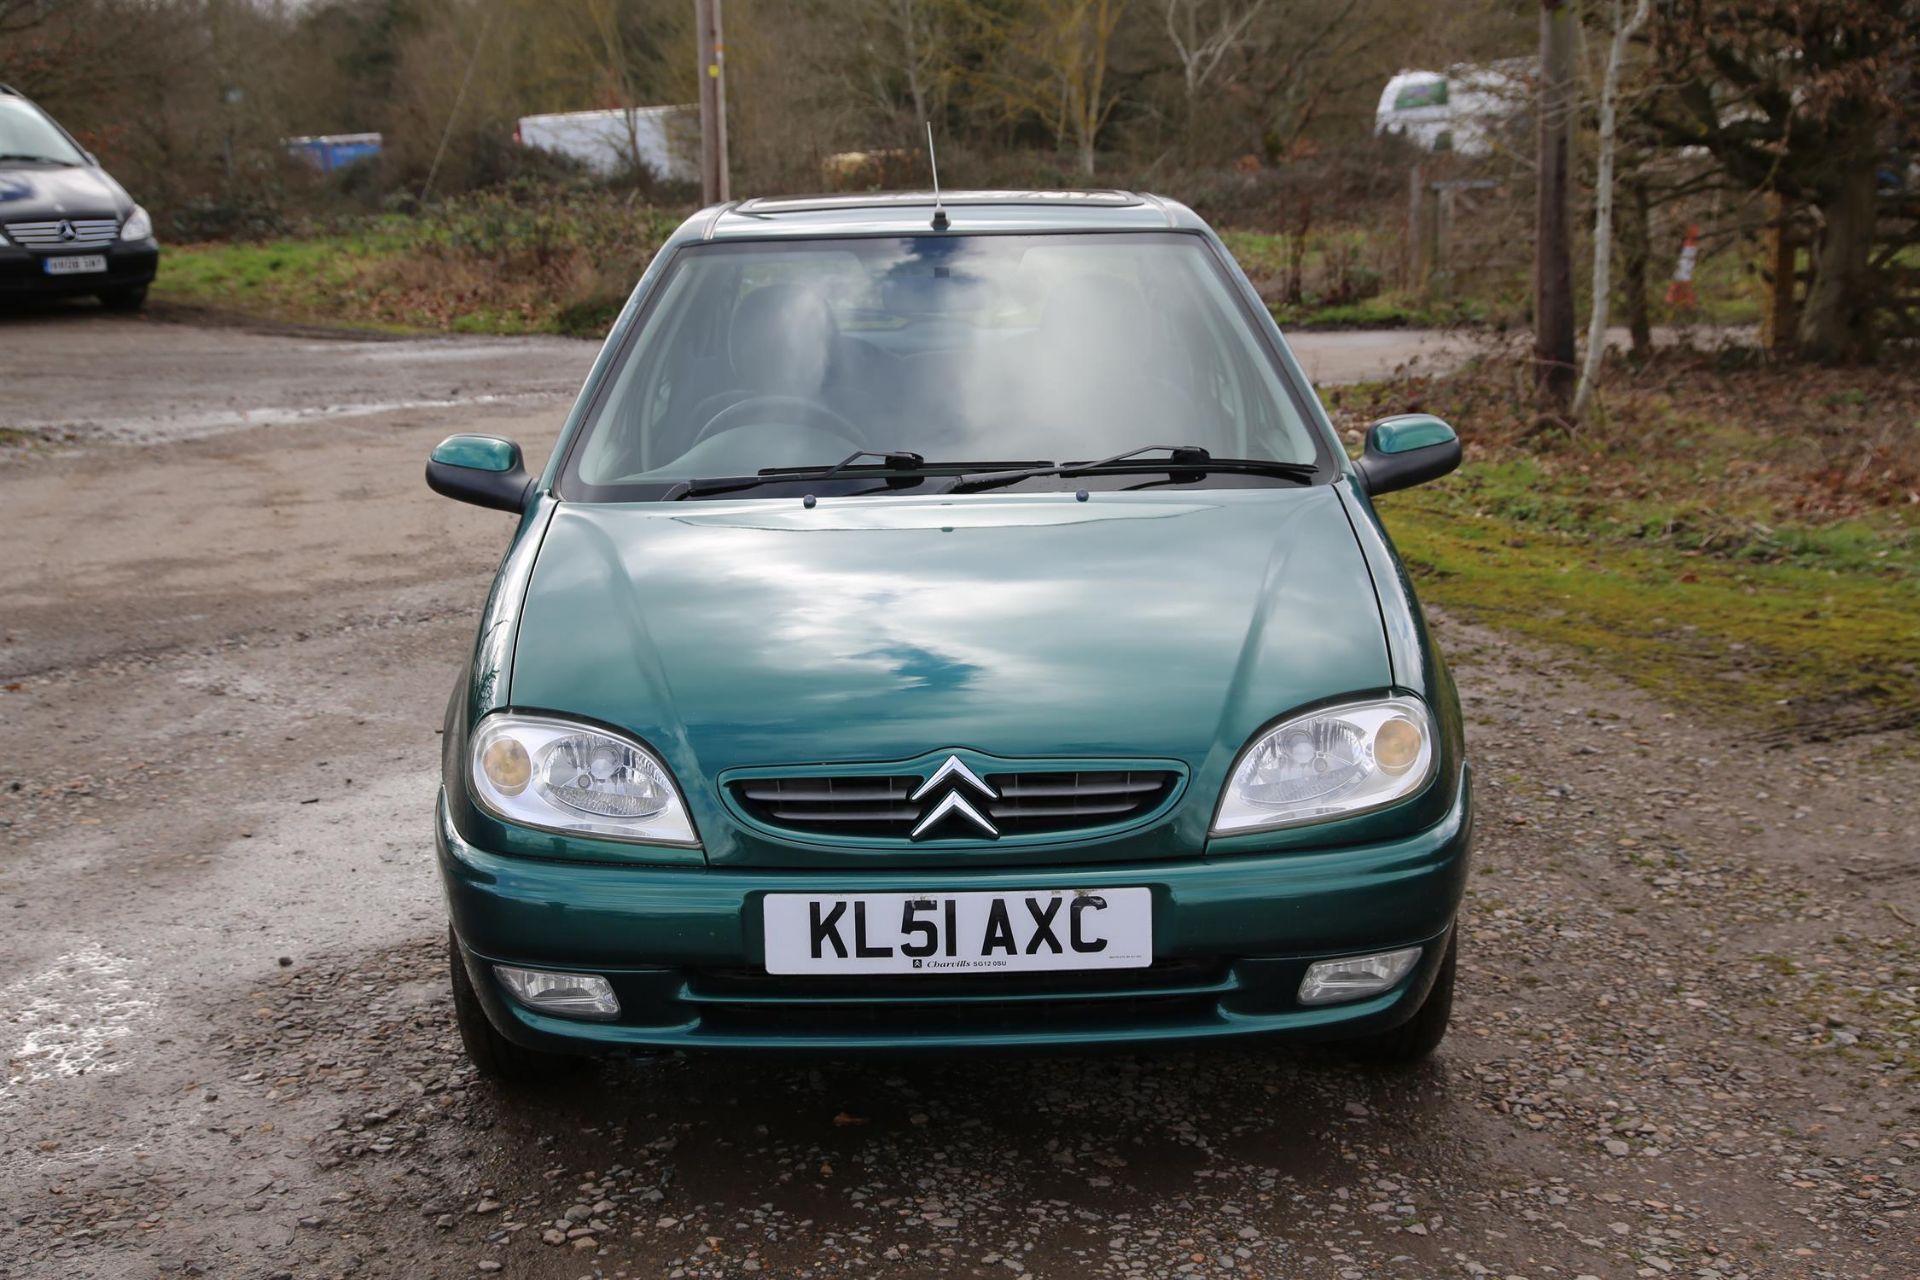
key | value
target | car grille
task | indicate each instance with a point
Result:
(1030, 803)
(88, 233)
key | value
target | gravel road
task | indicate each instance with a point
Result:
(1687, 1041)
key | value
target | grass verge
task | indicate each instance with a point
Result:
(1759, 561)
(1809, 636)
(530, 259)
(515, 260)
(322, 280)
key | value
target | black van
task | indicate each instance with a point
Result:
(66, 227)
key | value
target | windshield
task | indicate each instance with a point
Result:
(25, 134)
(987, 348)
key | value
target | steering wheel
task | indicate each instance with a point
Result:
(811, 411)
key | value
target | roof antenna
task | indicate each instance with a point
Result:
(939, 211)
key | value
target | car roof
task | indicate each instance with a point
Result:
(893, 213)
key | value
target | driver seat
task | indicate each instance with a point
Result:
(782, 340)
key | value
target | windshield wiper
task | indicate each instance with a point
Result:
(21, 155)
(896, 463)
(1181, 458)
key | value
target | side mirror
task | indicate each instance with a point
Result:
(1405, 450)
(484, 470)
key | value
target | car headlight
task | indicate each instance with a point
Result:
(561, 776)
(1328, 764)
(138, 225)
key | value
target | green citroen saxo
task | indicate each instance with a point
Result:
(948, 626)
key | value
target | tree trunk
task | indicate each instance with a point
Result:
(1552, 250)
(1636, 252)
(1623, 29)
(910, 38)
(1836, 324)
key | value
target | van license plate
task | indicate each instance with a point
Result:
(81, 265)
(1015, 931)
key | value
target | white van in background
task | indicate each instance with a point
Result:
(1463, 109)
(665, 140)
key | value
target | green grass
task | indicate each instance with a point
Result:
(1268, 251)
(1693, 602)
(379, 281)
(1383, 311)
(300, 265)
(319, 280)
(520, 259)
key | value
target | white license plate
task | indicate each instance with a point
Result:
(1011, 932)
(80, 265)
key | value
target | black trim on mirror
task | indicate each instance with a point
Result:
(1385, 472)
(500, 490)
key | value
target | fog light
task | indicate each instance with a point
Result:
(571, 995)
(1331, 981)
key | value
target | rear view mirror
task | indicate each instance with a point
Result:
(484, 470)
(1405, 450)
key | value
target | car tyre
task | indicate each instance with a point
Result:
(492, 1054)
(128, 299)
(1414, 1040)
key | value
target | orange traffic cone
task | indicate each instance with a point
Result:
(1680, 293)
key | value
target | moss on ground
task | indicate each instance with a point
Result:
(1812, 633)
(1729, 539)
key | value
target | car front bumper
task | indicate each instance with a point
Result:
(129, 266)
(1232, 939)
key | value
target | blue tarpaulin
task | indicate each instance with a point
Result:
(328, 152)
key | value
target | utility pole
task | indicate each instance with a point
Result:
(714, 187)
(1552, 246)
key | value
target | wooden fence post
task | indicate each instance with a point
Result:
(1417, 260)
(1441, 254)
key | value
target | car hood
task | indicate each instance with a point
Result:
(757, 633)
(33, 192)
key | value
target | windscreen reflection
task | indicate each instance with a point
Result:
(957, 348)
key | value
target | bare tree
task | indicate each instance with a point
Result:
(1552, 249)
(906, 58)
(1799, 100)
(919, 50)
(1636, 255)
(1299, 57)
(1201, 44)
(1603, 202)
(1053, 63)
(608, 41)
